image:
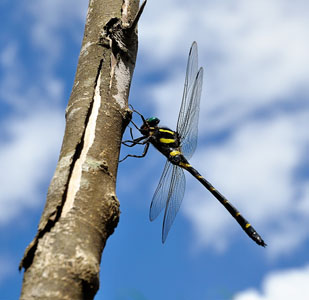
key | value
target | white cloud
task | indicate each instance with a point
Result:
(31, 132)
(254, 53)
(12, 73)
(52, 17)
(33, 127)
(27, 158)
(281, 285)
(263, 47)
(254, 168)
(18, 90)
(254, 57)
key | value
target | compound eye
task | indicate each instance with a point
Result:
(153, 121)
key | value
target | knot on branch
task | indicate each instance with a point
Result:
(120, 36)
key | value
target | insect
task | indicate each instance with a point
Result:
(178, 146)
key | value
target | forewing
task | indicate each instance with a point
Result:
(161, 194)
(189, 131)
(175, 196)
(191, 72)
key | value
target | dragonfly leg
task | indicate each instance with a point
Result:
(137, 156)
(135, 142)
(134, 126)
(142, 117)
(131, 133)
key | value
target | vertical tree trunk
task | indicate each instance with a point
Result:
(82, 210)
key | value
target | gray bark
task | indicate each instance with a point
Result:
(82, 210)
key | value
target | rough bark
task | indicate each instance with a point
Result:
(82, 210)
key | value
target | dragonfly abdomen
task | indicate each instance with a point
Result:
(245, 225)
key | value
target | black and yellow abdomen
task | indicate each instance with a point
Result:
(245, 225)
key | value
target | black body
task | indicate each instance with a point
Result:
(177, 146)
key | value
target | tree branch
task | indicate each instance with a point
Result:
(82, 210)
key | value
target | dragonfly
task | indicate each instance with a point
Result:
(178, 147)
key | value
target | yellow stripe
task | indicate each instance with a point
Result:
(199, 176)
(212, 188)
(238, 214)
(225, 201)
(248, 225)
(184, 165)
(175, 152)
(167, 141)
(165, 130)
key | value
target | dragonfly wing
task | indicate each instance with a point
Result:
(191, 72)
(174, 199)
(160, 196)
(187, 124)
(189, 130)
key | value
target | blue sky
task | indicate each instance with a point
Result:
(253, 146)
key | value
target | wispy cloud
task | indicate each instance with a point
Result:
(27, 156)
(253, 55)
(256, 168)
(281, 285)
(254, 61)
(255, 102)
(33, 124)
(53, 21)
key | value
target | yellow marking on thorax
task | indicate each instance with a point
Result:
(168, 131)
(248, 225)
(212, 189)
(199, 176)
(237, 214)
(151, 131)
(167, 141)
(174, 153)
(184, 165)
(225, 201)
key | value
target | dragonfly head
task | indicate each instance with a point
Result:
(153, 121)
(149, 124)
